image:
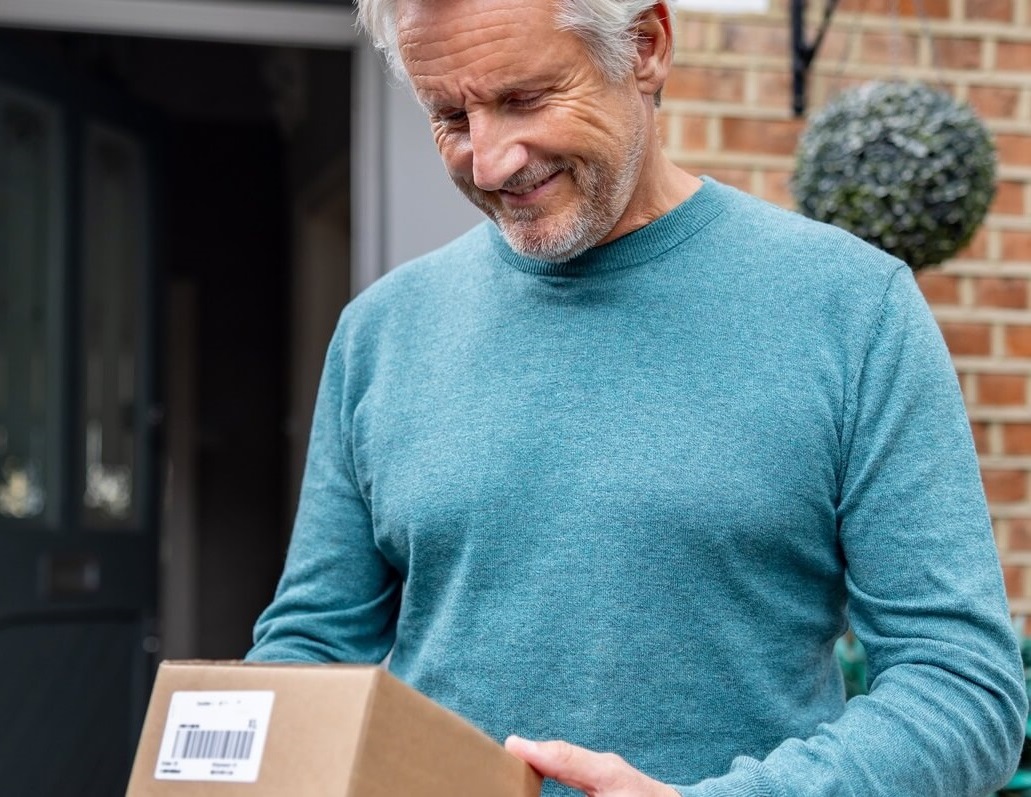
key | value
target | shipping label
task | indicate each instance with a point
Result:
(214, 736)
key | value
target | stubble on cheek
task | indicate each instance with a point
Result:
(541, 231)
(563, 226)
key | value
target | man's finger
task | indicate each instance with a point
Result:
(590, 772)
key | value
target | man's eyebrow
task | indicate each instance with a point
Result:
(433, 106)
(532, 85)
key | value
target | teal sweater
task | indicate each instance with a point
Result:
(631, 501)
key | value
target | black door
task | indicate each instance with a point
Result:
(78, 487)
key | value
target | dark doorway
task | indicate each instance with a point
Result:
(231, 244)
(232, 144)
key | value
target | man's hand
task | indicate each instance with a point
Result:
(595, 774)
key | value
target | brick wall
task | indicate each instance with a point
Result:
(727, 113)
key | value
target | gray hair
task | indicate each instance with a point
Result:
(605, 27)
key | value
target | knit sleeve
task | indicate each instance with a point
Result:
(338, 597)
(947, 703)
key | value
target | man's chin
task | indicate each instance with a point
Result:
(554, 250)
(524, 236)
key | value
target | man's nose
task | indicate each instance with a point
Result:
(497, 149)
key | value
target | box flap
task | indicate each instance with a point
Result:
(416, 748)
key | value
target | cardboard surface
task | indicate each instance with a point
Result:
(333, 731)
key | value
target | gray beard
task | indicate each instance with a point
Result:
(604, 199)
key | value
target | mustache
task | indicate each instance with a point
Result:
(534, 173)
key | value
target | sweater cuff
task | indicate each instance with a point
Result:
(747, 778)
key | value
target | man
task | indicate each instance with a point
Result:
(608, 470)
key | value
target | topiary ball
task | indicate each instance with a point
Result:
(900, 165)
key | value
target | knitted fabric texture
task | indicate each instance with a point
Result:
(631, 501)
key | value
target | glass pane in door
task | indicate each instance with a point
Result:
(114, 252)
(30, 307)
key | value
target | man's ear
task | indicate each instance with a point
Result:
(654, 49)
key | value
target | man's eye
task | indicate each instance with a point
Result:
(523, 101)
(452, 118)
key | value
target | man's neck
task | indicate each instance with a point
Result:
(662, 186)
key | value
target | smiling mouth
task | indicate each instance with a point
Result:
(528, 189)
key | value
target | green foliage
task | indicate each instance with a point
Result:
(852, 660)
(901, 165)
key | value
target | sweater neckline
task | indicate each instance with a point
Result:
(634, 248)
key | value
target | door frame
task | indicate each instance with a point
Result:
(302, 24)
(270, 23)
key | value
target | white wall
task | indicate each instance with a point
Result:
(725, 6)
(403, 202)
(423, 208)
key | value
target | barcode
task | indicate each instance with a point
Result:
(222, 745)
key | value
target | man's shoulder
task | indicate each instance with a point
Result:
(819, 278)
(815, 249)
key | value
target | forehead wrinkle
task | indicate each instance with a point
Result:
(416, 51)
(411, 32)
(423, 37)
(424, 16)
(489, 81)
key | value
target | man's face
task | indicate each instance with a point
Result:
(529, 129)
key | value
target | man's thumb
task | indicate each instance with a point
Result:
(574, 766)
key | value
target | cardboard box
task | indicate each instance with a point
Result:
(259, 730)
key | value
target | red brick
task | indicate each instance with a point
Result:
(1001, 10)
(1009, 199)
(705, 83)
(836, 45)
(939, 288)
(1016, 439)
(977, 249)
(691, 30)
(1020, 534)
(1016, 245)
(1004, 486)
(1013, 576)
(1012, 55)
(739, 178)
(966, 386)
(770, 137)
(952, 53)
(774, 89)
(827, 87)
(694, 133)
(1018, 341)
(1001, 389)
(777, 189)
(979, 430)
(907, 8)
(994, 102)
(889, 48)
(749, 39)
(968, 339)
(1014, 150)
(1000, 292)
